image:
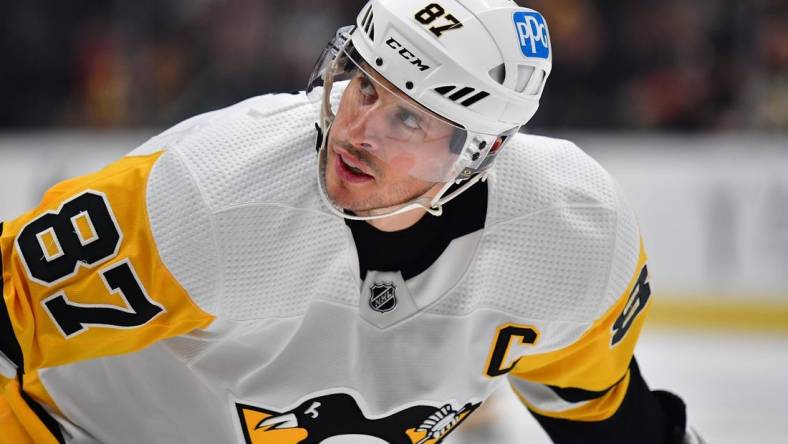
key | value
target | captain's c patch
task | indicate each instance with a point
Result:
(506, 338)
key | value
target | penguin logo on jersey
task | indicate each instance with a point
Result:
(383, 297)
(337, 418)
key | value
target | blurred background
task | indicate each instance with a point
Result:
(685, 103)
(645, 65)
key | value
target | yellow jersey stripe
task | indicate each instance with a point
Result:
(598, 409)
(25, 419)
(591, 363)
(85, 310)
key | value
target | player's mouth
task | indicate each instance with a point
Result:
(351, 169)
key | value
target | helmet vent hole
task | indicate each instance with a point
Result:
(368, 23)
(498, 73)
(535, 85)
(524, 75)
(542, 82)
(530, 80)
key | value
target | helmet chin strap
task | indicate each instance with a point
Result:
(432, 206)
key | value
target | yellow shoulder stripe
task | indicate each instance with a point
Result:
(83, 277)
(592, 363)
(598, 409)
(19, 424)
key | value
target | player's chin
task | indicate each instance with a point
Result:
(343, 196)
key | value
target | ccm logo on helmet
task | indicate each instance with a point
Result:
(406, 54)
(532, 33)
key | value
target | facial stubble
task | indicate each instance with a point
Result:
(386, 196)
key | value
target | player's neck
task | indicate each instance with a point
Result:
(403, 221)
(398, 222)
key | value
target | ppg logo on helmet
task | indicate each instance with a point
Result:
(532, 33)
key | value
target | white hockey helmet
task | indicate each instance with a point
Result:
(476, 66)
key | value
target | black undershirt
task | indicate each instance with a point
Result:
(413, 250)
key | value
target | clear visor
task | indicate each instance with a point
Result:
(379, 126)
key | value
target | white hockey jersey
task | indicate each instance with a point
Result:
(199, 291)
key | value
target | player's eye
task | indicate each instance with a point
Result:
(366, 87)
(408, 118)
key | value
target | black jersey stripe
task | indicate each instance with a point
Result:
(640, 418)
(48, 420)
(575, 395)
(9, 345)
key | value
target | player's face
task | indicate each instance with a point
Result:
(383, 149)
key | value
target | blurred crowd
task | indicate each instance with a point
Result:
(636, 64)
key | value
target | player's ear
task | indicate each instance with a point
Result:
(497, 145)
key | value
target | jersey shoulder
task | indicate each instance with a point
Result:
(82, 276)
(560, 231)
(562, 259)
(536, 173)
(115, 260)
(234, 207)
(259, 151)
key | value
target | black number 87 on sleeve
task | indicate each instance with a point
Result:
(83, 233)
(433, 12)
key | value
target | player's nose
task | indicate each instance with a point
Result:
(361, 131)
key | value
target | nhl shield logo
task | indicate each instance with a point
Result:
(383, 297)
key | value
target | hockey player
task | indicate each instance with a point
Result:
(226, 283)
